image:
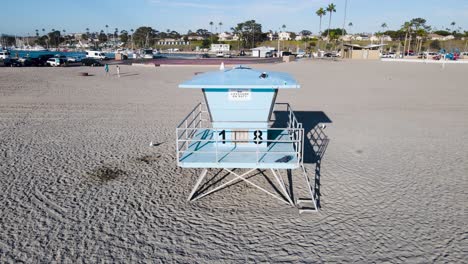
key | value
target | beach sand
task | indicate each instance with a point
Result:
(79, 182)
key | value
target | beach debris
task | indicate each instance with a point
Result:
(149, 158)
(83, 74)
(105, 173)
(151, 144)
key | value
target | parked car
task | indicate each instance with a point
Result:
(30, 62)
(4, 54)
(227, 55)
(90, 62)
(74, 59)
(54, 62)
(93, 54)
(300, 54)
(203, 56)
(330, 55)
(391, 55)
(11, 63)
(220, 54)
(42, 59)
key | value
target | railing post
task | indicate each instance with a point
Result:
(256, 150)
(201, 115)
(186, 135)
(216, 143)
(177, 145)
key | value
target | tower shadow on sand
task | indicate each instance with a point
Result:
(315, 142)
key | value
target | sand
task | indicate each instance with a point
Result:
(79, 182)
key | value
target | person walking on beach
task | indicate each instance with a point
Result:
(118, 70)
(106, 68)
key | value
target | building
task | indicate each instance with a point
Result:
(440, 37)
(225, 36)
(263, 52)
(220, 47)
(173, 42)
(300, 37)
(272, 36)
(82, 43)
(284, 36)
(195, 37)
(358, 52)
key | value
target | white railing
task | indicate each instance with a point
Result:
(199, 120)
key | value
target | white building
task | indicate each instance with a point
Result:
(272, 36)
(225, 36)
(83, 43)
(263, 52)
(284, 36)
(220, 47)
(173, 42)
(195, 37)
(301, 37)
(440, 37)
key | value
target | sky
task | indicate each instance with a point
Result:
(22, 17)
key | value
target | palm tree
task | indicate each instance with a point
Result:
(330, 8)
(37, 32)
(64, 31)
(131, 30)
(220, 25)
(383, 26)
(453, 26)
(321, 12)
(211, 24)
(407, 28)
(350, 25)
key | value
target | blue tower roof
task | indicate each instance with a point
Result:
(242, 77)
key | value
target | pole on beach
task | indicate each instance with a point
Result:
(342, 31)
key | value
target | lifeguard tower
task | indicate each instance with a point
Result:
(232, 129)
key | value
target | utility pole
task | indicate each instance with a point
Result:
(343, 29)
(277, 36)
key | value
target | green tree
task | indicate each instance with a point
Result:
(305, 33)
(331, 8)
(205, 44)
(55, 38)
(334, 31)
(321, 12)
(292, 35)
(102, 37)
(211, 32)
(202, 32)
(144, 36)
(124, 36)
(435, 45)
(442, 32)
(250, 32)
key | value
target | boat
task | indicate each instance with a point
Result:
(30, 48)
